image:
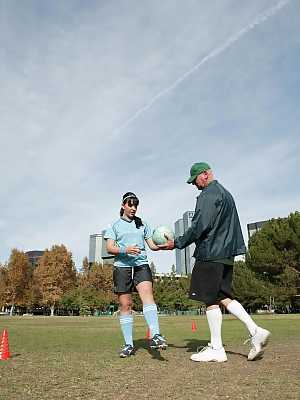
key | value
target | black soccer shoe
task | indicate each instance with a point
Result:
(158, 342)
(127, 351)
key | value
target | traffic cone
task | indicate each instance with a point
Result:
(148, 334)
(4, 348)
(194, 326)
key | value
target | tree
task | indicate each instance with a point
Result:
(95, 288)
(55, 275)
(153, 268)
(3, 285)
(85, 265)
(276, 247)
(172, 293)
(251, 291)
(19, 273)
(274, 253)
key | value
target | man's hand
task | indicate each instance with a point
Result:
(170, 245)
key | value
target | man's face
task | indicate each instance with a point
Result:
(201, 181)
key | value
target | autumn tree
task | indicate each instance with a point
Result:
(3, 286)
(94, 291)
(55, 275)
(19, 273)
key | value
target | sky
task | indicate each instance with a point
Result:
(103, 97)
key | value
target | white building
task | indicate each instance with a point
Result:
(184, 257)
(97, 250)
(254, 227)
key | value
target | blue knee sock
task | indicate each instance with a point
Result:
(150, 314)
(126, 322)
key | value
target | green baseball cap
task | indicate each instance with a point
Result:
(196, 170)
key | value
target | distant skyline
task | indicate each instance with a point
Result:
(100, 98)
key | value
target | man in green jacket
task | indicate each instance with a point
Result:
(217, 234)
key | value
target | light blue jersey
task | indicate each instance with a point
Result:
(125, 234)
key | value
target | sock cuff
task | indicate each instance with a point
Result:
(233, 303)
(214, 310)
(149, 307)
(126, 319)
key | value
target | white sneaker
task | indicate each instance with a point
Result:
(209, 354)
(258, 341)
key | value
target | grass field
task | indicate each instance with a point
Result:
(77, 358)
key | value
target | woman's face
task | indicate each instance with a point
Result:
(130, 208)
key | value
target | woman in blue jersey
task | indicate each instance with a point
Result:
(126, 239)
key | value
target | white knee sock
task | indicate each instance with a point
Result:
(235, 308)
(214, 319)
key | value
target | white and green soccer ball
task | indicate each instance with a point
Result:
(160, 233)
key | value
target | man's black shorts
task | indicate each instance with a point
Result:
(126, 278)
(211, 282)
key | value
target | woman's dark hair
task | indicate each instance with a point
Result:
(131, 199)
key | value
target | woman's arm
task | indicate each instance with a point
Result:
(116, 250)
(152, 245)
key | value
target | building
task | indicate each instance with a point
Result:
(179, 254)
(254, 227)
(97, 250)
(184, 257)
(34, 256)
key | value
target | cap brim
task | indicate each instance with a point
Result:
(191, 179)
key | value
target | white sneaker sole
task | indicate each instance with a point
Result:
(207, 361)
(161, 347)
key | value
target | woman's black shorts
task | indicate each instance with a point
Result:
(126, 278)
(211, 282)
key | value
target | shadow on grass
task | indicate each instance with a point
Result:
(192, 345)
(235, 353)
(195, 345)
(15, 355)
(155, 354)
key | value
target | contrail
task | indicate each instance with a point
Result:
(214, 53)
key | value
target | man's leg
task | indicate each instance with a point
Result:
(215, 351)
(235, 308)
(259, 336)
(205, 286)
(214, 319)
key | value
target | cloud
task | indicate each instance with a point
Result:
(74, 78)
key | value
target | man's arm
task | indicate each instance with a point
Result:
(204, 217)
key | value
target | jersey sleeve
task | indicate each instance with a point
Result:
(148, 232)
(110, 233)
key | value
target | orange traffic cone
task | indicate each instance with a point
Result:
(194, 326)
(4, 349)
(148, 334)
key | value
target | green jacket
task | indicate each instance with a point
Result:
(215, 227)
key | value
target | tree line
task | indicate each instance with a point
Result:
(268, 277)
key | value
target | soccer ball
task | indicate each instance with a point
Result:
(159, 233)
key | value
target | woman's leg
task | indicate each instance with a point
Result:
(145, 291)
(126, 317)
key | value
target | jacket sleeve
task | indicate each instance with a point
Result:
(202, 222)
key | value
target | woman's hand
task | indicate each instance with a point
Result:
(134, 250)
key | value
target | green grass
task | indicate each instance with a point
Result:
(77, 357)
